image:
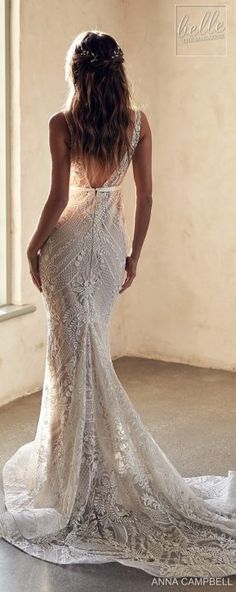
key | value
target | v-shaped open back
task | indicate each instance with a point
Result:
(117, 175)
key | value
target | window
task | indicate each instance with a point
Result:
(7, 308)
(4, 153)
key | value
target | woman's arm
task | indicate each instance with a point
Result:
(58, 194)
(142, 170)
(59, 190)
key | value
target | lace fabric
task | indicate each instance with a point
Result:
(94, 486)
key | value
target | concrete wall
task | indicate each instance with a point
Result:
(182, 304)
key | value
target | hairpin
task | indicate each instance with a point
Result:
(93, 57)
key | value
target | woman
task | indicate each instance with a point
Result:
(94, 486)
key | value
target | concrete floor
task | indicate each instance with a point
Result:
(191, 412)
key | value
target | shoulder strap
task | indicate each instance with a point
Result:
(137, 128)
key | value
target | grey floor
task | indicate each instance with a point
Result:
(191, 412)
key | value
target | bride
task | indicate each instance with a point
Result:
(94, 486)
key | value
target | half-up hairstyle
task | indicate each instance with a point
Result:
(98, 105)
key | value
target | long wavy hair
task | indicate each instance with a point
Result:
(98, 105)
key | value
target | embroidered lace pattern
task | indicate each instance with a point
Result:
(94, 486)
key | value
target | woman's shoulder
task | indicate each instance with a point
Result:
(59, 125)
(58, 119)
(143, 121)
(61, 121)
(55, 118)
(143, 116)
(58, 129)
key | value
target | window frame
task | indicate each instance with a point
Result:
(5, 279)
(7, 308)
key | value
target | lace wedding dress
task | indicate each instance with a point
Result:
(94, 486)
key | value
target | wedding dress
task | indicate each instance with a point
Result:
(94, 486)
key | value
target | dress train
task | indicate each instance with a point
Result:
(94, 486)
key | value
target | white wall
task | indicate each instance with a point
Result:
(182, 305)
